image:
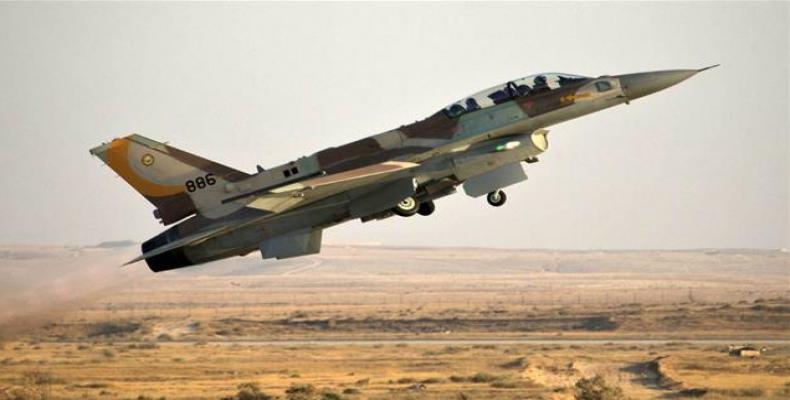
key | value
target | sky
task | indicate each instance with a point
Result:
(700, 165)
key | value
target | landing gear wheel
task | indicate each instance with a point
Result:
(407, 207)
(426, 208)
(496, 198)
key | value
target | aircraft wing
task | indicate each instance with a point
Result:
(287, 197)
(284, 198)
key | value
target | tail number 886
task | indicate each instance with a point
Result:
(200, 182)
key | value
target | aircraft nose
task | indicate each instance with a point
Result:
(644, 83)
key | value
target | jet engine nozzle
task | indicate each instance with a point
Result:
(171, 259)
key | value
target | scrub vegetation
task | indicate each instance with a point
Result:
(382, 323)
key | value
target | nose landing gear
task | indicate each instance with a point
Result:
(496, 198)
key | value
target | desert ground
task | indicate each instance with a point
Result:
(376, 322)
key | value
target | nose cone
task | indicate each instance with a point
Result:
(645, 83)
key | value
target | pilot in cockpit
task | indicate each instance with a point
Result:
(523, 90)
(456, 110)
(472, 105)
(540, 85)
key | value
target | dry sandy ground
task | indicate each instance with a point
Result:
(210, 371)
(78, 326)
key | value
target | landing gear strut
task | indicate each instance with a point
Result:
(496, 198)
(407, 207)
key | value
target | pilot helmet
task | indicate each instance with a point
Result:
(540, 80)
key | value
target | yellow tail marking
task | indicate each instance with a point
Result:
(118, 160)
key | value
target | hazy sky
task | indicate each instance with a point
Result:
(703, 164)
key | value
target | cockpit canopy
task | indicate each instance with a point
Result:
(526, 86)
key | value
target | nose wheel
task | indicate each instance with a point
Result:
(496, 198)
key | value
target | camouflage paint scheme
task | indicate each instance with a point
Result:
(283, 210)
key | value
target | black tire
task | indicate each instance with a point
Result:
(407, 207)
(496, 198)
(427, 208)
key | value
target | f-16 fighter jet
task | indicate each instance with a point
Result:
(478, 143)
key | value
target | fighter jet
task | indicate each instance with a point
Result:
(481, 143)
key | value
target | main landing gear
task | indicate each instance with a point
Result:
(427, 208)
(409, 206)
(496, 198)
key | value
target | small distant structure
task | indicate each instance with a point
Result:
(747, 351)
(114, 244)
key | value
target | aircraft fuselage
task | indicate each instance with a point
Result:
(478, 142)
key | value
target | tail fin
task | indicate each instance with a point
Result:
(174, 181)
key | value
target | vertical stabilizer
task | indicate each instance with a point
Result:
(178, 183)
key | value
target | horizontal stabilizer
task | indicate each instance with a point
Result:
(186, 241)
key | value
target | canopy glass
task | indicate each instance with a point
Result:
(526, 86)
